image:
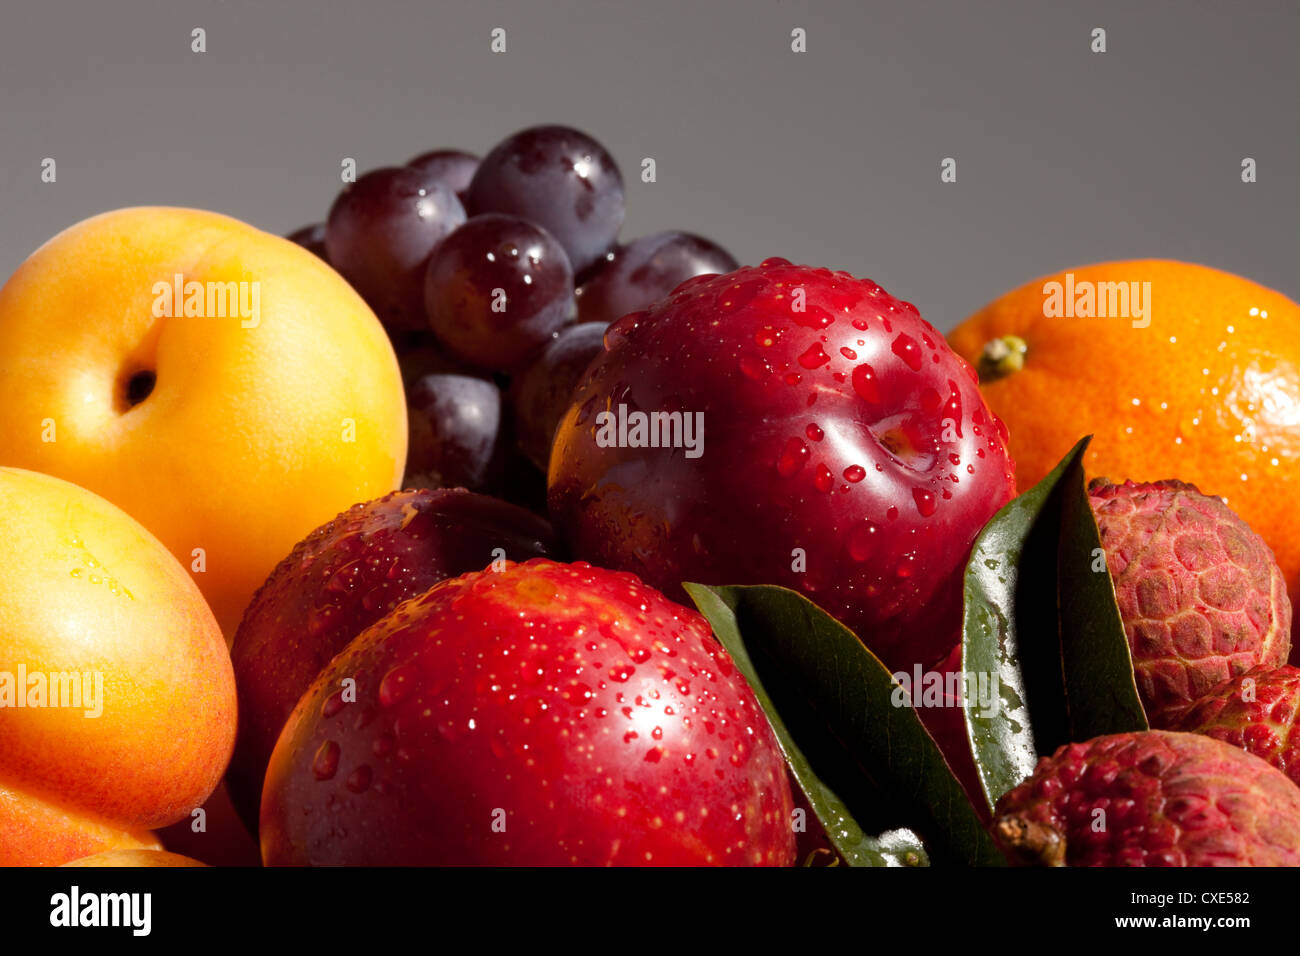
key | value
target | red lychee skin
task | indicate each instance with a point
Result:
(1201, 596)
(340, 579)
(848, 453)
(1256, 712)
(547, 714)
(1154, 798)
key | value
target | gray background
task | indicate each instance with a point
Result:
(830, 157)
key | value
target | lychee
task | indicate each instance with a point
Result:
(1201, 595)
(1256, 712)
(1154, 798)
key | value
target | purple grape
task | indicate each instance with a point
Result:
(539, 395)
(311, 238)
(496, 290)
(455, 432)
(586, 275)
(418, 355)
(559, 178)
(645, 271)
(450, 167)
(380, 232)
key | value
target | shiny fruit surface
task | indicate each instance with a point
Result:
(809, 430)
(542, 714)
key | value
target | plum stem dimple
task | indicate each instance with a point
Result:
(1002, 357)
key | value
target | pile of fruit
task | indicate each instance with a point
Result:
(473, 535)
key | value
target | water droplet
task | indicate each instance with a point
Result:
(952, 410)
(754, 368)
(333, 704)
(621, 673)
(813, 317)
(854, 473)
(359, 780)
(576, 692)
(860, 324)
(905, 347)
(739, 295)
(814, 432)
(866, 384)
(925, 501)
(824, 480)
(814, 356)
(395, 686)
(618, 332)
(862, 541)
(794, 455)
(326, 762)
(848, 353)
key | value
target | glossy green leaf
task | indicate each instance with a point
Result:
(1010, 635)
(1101, 693)
(853, 741)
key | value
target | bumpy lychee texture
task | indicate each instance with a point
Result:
(1201, 596)
(1255, 712)
(1154, 798)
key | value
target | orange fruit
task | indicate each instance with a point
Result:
(1197, 379)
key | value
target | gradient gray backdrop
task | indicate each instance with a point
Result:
(830, 157)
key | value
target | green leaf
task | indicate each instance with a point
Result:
(1101, 692)
(865, 761)
(1010, 632)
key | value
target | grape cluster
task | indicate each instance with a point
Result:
(495, 279)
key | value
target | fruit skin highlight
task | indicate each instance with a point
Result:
(342, 578)
(1153, 798)
(546, 714)
(847, 453)
(1215, 375)
(250, 437)
(85, 589)
(1255, 711)
(1199, 592)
